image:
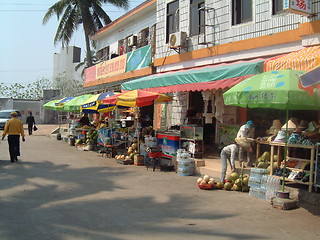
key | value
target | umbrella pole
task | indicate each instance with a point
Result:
(138, 113)
(285, 151)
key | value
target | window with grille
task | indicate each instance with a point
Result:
(103, 54)
(197, 17)
(172, 18)
(241, 11)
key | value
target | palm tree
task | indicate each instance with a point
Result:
(74, 12)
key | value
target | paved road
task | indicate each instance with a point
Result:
(59, 193)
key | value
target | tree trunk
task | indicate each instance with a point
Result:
(88, 48)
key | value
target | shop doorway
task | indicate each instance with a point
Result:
(146, 116)
(196, 102)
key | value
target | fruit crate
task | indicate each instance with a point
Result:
(124, 162)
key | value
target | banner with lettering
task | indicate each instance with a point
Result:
(111, 67)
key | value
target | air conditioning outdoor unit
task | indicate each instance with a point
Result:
(178, 40)
(132, 40)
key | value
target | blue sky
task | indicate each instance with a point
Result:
(26, 49)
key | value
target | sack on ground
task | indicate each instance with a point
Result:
(35, 128)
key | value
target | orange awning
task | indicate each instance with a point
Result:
(304, 59)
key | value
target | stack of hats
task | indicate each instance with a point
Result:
(281, 136)
(290, 126)
(312, 131)
(302, 126)
(275, 128)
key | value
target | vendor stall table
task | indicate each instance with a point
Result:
(310, 160)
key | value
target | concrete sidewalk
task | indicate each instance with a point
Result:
(57, 192)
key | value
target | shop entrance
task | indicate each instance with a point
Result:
(146, 116)
(196, 102)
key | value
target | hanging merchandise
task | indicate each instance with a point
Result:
(219, 106)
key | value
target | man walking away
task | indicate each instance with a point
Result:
(30, 121)
(14, 128)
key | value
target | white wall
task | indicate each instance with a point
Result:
(222, 31)
(63, 63)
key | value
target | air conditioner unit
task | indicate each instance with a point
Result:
(132, 40)
(178, 40)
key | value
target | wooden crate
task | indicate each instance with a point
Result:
(138, 160)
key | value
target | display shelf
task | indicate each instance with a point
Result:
(298, 159)
(292, 180)
(274, 145)
(298, 169)
(192, 136)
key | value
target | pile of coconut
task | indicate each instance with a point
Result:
(234, 182)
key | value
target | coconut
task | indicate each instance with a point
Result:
(229, 178)
(211, 182)
(206, 178)
(237, 182)
(236, 187)
(134, 145)
(268, 169)
(211, 179)
(234, 176)
(203, 182)
(263, 165)
(219, 185)
(245, 181)
(199, 180)
(227, 186)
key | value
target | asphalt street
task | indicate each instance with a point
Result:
(57, 192)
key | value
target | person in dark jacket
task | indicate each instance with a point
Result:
(30, 121)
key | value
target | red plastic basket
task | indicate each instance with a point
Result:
(206, 187)
(155, 154)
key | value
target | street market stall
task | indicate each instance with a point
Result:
(280, 90)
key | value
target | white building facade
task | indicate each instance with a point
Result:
(64, 64)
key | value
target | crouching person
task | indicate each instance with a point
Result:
(228, 154)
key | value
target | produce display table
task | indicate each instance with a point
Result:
(309, 160)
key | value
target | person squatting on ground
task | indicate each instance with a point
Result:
(228, 154)
(14, 128)
(246, 131)
(30, 121)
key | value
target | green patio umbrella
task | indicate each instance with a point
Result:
(274, 89)
(51, 105)
(74, 104)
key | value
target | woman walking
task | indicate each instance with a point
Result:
(14, 128)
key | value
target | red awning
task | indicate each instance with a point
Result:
(201, 86)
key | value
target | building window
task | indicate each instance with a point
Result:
(172, 18)
(241, 11)
(277, 6)
(103, 54)
(144, 37)
(197, 17)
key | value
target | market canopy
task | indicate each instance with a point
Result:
(63, 101)
(50, 105)
(94, 105)
(304, 59)
(74, 104)
(220, 76)
(136, 98)
(272, 89)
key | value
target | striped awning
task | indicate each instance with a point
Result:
(304, 59)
